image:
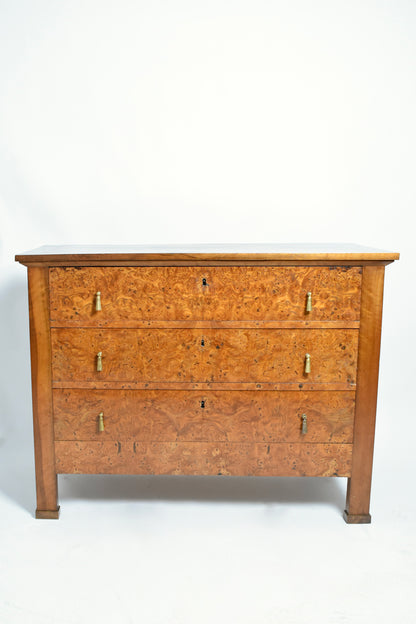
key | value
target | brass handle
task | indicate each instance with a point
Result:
(98, 301)
(304, 424)
(307, 363)
(309, 302)
(101, 422)
(99, 362)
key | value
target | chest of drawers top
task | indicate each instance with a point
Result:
(321, 253)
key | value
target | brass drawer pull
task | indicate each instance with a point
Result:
(101, 422)
(99, 362)
(309, 302)
(307, 363)
(304, 424)
(98, 301)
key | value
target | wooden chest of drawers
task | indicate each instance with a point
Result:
(205, 362)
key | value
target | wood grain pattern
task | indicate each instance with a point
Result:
(127, 324)
(40, 354)
(202, 385)
(203, 362)
(204, 458)
(226, 355)
(175, 293)
(359, 485)
(192, 416)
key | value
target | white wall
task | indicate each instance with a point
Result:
(165, 121)
(190, 121)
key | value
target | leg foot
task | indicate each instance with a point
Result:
(356, 518)
(47, 514)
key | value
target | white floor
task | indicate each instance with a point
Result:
(197, 550)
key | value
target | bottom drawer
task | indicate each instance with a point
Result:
(210, 416)
(204, 458)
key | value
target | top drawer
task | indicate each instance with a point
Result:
(203, 293)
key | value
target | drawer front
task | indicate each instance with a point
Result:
(188, 355)
(194, 416)
(203, 293)
(204, 458)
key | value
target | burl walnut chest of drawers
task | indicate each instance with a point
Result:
(207, 361)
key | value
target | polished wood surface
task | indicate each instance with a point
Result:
(203, 293)
(219, 355)
(40, 354)
(203, 362)
(204, 458)
(359, 485)
(213, 416)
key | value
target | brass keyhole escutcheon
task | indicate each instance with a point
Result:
(307, 364)
(309, 302)
(99, 361)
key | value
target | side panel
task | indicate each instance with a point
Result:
(359, 485)
(40, 352)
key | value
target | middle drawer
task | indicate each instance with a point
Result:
(210, 355)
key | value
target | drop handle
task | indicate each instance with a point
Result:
(98, 301)
(309, 302)
(99, 361)
(101, 422)
(304, 428)
(307, 364)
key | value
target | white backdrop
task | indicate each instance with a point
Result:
(221, 121)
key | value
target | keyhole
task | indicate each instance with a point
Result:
(204, 282)
(203, 404)
(202, 343)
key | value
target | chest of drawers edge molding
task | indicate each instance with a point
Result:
(372, 265)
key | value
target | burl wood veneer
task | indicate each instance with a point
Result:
(209, 360)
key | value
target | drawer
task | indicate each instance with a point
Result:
(204, 458)
(214, 355)
(264, 293)
(194, 416)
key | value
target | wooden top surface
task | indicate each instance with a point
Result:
(331, 252)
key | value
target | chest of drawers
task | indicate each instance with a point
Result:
(207, 361)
